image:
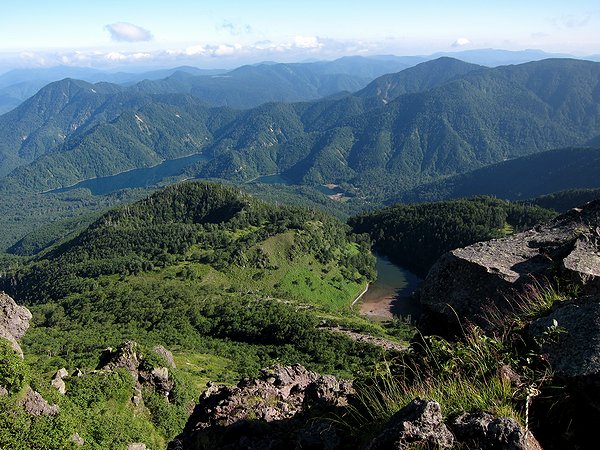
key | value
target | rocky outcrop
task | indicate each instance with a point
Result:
(420, 424)
(166, 354)
(472, 284)
(14, 321)
(58, 380)
(569, 339)
(269, 412)
(128, 356)
(487, 432)
(34, 404)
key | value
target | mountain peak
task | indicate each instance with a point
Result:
(422, 77)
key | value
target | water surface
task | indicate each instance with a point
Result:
(136, 178)
(390, 294)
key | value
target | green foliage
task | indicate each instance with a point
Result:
(442, 118)
(417, 235)
(14, 373)
(565, 200)
(169, 419)
(20, 431)
(524, 178)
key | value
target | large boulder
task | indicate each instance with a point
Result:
(569, 339)
(475, 283)
(487, 432)
(267, 413)
(14, 321)
(420, 424)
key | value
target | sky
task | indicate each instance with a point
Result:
(228, 33)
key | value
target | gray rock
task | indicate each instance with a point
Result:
(59, 385)
(419, 424)
(267, 412)
(78, 440)
(128, 356)
(57, 381)
(3, 391)
(34, 404)
(319, 434)
(125, 356)
(569, 338)
(14, 321)
(487, 432)
(166, 354)
(482, 280)
(136, 446)
(61, 373)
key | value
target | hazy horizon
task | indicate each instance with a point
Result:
(226, 35)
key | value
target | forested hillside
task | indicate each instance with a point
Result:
(442, 118)
(519, 179)
(229, 283)
(415, 236)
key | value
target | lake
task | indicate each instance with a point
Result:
(136, 178)
(390, 293)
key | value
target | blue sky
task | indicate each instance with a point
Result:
(227, 33)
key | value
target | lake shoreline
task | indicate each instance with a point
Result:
(390, 294)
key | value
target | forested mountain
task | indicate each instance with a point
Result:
(229, 283)
(244, 87)
(520, 178)
(18, 85)
(454, 118)
(420, 78)
(160, 127)
(59, 110)
(250, 86)
(478, 119)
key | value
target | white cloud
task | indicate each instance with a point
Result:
(226, 49)
(115, 56)
(307, 42)
(128, 32)
(461, 42)
(540, 35)
(223, 54)
(194, 50)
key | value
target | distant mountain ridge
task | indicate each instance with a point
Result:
(442, 117)
(19, 84)
(244, 87)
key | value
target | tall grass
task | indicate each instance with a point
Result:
(460, 376)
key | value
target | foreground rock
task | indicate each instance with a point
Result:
(269, 412)
(487, 432)
(569, 339)
(483, 281)
(294, 408)
(419, 424)
(14, 321)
